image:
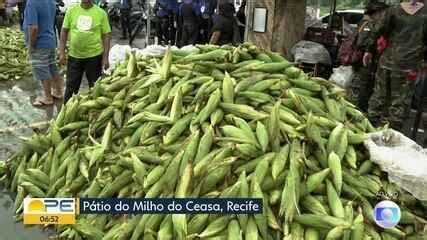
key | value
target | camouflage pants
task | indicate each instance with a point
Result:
(391, 100)
(362, 87)
(423, 108)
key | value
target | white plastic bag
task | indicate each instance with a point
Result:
(117, 54)
(342, 76)
(403, 159)
(158, 50)
(154, 50)
(190, 48)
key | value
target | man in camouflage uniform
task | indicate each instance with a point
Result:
(405, 27)
(362, 86)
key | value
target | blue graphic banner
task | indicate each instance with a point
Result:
(170, 205)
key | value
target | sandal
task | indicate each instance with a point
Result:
(39, 102)
(57, 97)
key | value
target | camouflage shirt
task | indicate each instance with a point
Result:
(365, 34)
(406, 35)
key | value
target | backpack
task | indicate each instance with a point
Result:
(348, 53)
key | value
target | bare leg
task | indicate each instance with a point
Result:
(57, 86)
(47, 91)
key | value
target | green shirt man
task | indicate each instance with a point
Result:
(86, 28)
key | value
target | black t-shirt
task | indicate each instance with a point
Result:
(241, 15)
(188, 15)
(225, 26)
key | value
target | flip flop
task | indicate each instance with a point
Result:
(57, 97)
(41, 103)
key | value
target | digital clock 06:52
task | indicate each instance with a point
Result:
(49, 219)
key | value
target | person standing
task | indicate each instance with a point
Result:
(38, 25)
(165, 15)
(404, 26)
(362, 86)
(241, 16)
(125, 7)
(21, 10)
(161, 13)
(190, 18)
(224, 25)
(207, 11)
(87, 28)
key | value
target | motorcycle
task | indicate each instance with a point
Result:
(114, 16)
(138, 23)
(113, 13)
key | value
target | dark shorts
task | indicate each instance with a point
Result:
(43, 63)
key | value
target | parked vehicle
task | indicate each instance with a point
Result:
(352, 16)
(345, 21)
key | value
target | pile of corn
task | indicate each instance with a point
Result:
(228, 122)
(13, 55)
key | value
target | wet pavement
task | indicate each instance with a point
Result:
(18, 118)
(17, 114)
(10, 230)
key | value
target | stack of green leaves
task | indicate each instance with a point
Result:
(13, 55)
